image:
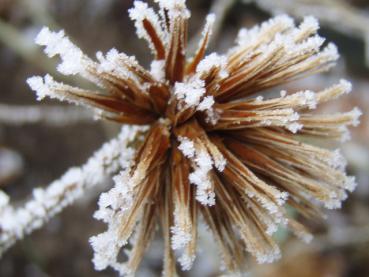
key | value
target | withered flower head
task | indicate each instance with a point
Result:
(214, 149)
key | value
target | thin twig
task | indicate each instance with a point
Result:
(54, 116)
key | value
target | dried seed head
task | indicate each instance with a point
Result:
(215, 146)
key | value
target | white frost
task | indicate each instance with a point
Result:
(190, 92)
(213, 61)
(73, 60)
(157, 70)
(187, 147)
(202, 164)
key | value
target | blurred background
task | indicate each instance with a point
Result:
(40, 141)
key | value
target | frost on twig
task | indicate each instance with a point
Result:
(16, 222)
(54, 115)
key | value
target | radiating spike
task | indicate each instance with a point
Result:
(203, 44)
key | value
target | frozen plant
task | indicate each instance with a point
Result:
(214, 146)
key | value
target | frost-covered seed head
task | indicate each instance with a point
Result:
(213, 146)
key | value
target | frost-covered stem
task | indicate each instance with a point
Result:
(54, 115)
(16, 222)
